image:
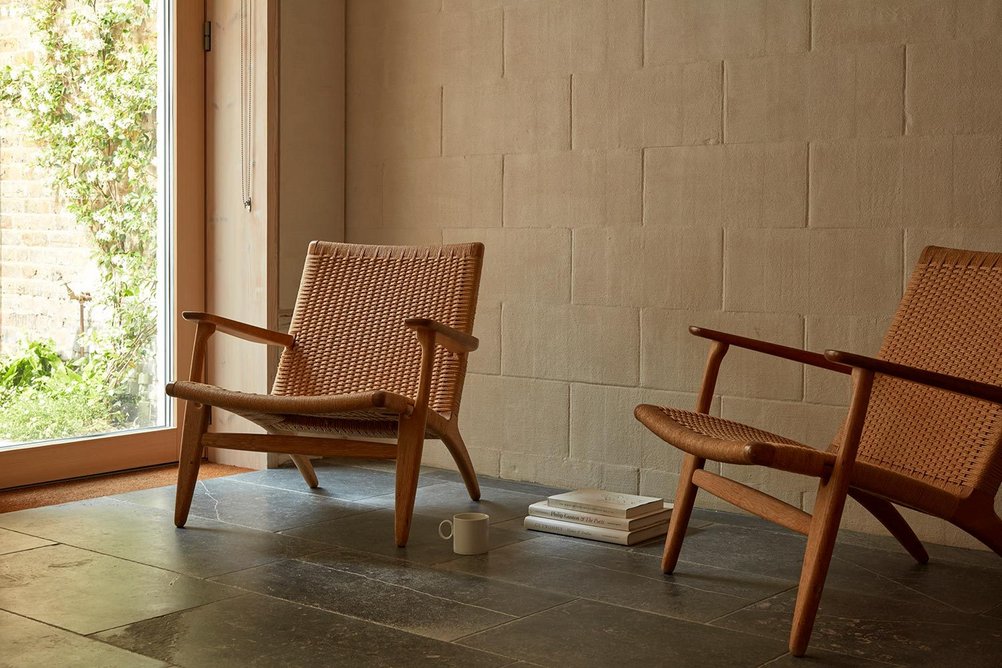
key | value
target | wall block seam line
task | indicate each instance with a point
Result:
(810, 25)
(904, 90)
(570, 271)
(723, 101)
(803, 367)
(504, 39)
(723, 268)
(643, 187)
(570, 112)
(643, 34)
(504, 164)
(807, 185)
(640, 348)
(500, 338)
(905, 262)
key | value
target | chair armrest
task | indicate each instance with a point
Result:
(451, 339)
(971, 388)
(241, 330)
(774, 349)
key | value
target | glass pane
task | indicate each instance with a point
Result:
(82, 217)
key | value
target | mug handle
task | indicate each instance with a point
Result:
(441, 532)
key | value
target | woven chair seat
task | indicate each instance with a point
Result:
(732, 442)
(337, 405)
(320, 412)
(735, 443)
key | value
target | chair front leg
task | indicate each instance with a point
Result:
(195, 422)
(685, 497)
(196, 419)
(827, 515)
(410, 445)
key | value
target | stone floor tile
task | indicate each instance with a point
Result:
(962, 586)
(255, 506)
(821, 659)
(256, 630)
(697, 576)
(12, 541)
(29, 643)
(346, 479)
(489, 482)
(529, 565)
(503, 597)
(373, 532)
(983, 558)
(448, 498)
(147, 535)
(365, 598)
(85, 592)
(589, 633)
(881, 629)
(706, 516)
(780, 556)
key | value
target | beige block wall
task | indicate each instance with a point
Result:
(769, 167)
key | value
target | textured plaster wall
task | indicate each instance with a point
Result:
(767, 167)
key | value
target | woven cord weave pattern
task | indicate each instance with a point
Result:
(725, 430)
(949, 321)
(350, 312)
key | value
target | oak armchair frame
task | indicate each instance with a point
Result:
(414, 417)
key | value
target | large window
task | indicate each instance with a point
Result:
(87, 191)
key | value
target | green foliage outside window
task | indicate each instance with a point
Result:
(88, 102)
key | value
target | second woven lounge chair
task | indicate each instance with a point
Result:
(924, 427)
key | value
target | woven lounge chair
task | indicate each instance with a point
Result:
(923, 430)
(377, 348)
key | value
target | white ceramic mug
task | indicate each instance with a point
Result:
(469, 532)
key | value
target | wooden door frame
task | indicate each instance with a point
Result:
(32, 464)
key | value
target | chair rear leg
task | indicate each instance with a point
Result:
(457, 448)
(987, 528)
(892, 520)
(817, 559)
(305, 467)
(196, 419)
(410, 443)
(685, 497)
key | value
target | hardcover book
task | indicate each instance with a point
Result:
(593, 532)
(601, 502)
(543, 509)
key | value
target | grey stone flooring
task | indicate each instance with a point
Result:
(270, 573)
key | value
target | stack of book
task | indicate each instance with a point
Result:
(624, 519)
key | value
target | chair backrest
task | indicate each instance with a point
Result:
(350, 312)
(949, 321)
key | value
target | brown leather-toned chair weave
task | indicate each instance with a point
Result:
(377, 348)
(923, 430)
